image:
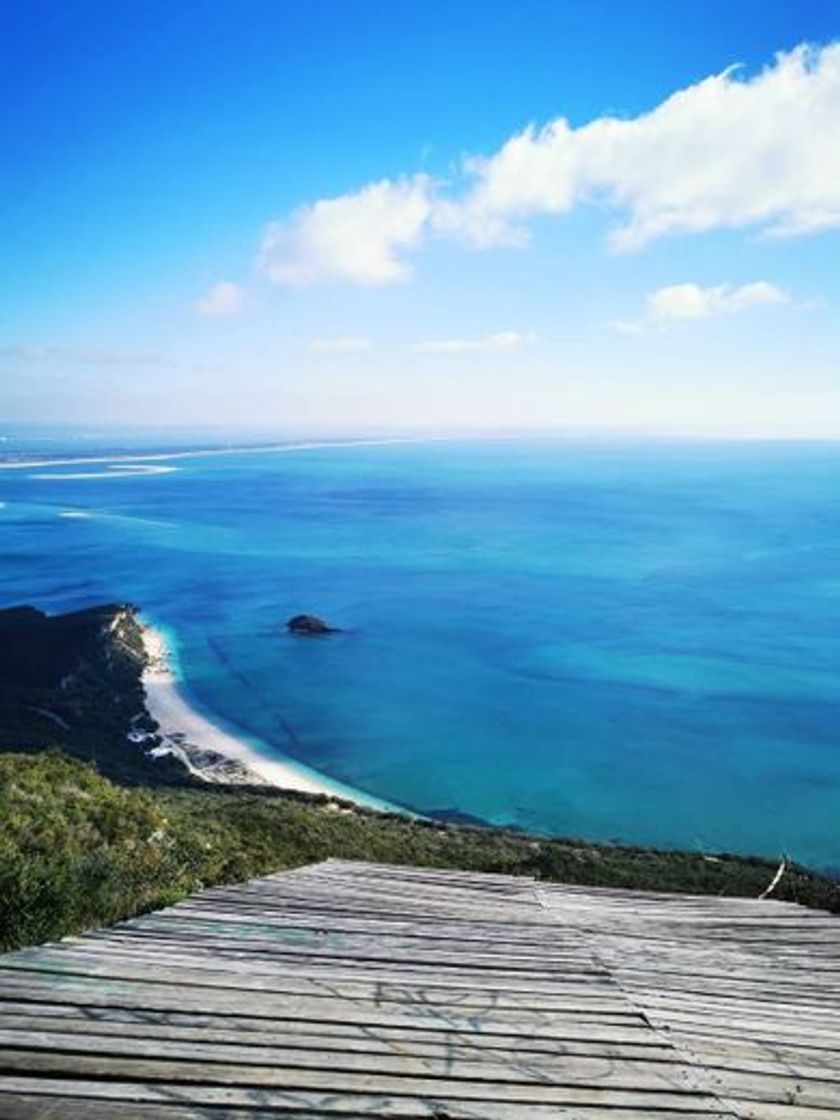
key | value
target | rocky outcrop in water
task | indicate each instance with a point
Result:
(310, 625)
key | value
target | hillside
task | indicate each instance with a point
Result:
(78, 851)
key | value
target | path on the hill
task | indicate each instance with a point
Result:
(364, 990)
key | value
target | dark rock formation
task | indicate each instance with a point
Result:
(309, 624)
(74, 681)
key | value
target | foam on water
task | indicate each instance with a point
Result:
(110, 470)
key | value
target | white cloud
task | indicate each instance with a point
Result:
(726, 152)
(690, 301)
(686, 302)
(222, 301)
(339, 345)
(502, 340)
(356, 237)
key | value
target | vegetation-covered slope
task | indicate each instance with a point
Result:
(78, 851)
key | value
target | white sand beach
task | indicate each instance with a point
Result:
(215, 754)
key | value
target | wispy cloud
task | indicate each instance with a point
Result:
(80, 356)
(83, 356)
(502, 340)
(690, 302)
(223, 301)
(726, 152)
(340, 345)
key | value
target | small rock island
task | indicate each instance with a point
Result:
(310, 625)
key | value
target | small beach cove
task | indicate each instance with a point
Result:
(214, 753)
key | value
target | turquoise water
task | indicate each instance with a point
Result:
(638, 642)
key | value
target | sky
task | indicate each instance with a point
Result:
(349, 215)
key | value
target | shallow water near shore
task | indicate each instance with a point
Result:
(629, 641)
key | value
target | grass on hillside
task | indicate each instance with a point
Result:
(78, 851)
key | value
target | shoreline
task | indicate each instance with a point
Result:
(206, 452)
(212, 752)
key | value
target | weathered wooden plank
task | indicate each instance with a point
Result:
(374, 990)
(329, 945)
(563, 1070)
(242, 912)
(308, 973)
(774, 1110)
(697, 1038)
(290, 1079)
(765, 1031)
(782, 1016)
(762, 999)
(207, 985)
(344, 1037)
(741, 1085)
(636, 1040)
(24, 1106)
(284, 941)
(294, 952)
(400, 906)
(91, 992)
(125, 1096)
(738, 1050)
(236, 972)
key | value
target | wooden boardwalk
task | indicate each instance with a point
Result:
(359, 990)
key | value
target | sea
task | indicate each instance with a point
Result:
(620, 640)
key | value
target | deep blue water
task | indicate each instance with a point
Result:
(637, 642)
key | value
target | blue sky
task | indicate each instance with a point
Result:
(316, 215)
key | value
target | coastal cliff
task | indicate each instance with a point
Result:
(75, 681)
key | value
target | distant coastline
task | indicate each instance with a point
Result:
(246, 449)
(211, 752)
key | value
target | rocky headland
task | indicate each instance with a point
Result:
(75, 681)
